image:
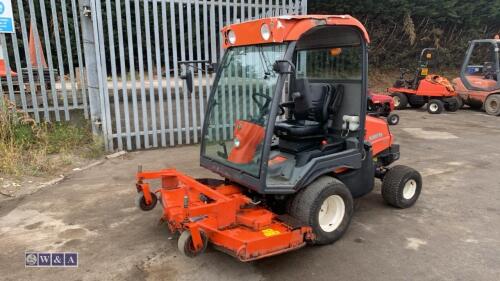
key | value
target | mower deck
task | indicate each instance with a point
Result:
(220, 214)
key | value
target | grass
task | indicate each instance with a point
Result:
(31, 149)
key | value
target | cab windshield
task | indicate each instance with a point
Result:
(238, 110)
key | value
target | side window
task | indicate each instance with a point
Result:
(332, 63)
(482, 60)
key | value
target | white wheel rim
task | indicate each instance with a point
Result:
(396, 101)
(394, 119)
(409, 189)
(331, 213)
(433, 107)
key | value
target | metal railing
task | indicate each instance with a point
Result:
(117, 63)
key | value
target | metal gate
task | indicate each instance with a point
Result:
(41, 63)
(117, 62)
(137, 46)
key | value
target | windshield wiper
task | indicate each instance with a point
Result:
(265, 63)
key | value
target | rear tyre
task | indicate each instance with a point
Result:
(416, 101)
(460, 102)
(492, 105)
(435, 107)
(401, 186)
(393, 119)
(451, 104)
(186, 247)
(326, 206)
(400, 100)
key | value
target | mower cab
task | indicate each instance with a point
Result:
(286, 127)
(481, 67)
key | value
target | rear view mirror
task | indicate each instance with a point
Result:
(212, 67)
(188, 76)
(284, 67)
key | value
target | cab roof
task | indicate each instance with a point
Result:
(285, 28)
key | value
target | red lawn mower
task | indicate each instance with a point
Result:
(382, 105)
(424, 88)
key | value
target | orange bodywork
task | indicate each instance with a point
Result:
(225, 215)
(432, 86)
(378, 134)
(249, 135)
(285, 28)
(471, 96)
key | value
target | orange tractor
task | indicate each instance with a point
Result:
(424, 88)
(287, 129)
(479, 83)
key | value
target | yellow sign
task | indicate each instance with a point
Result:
(270, 232)
(424, 71)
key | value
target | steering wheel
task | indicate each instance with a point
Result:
(262, 106)
(489, 71)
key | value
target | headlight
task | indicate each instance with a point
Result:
(231, 37)
(265, 32)
(236, 143)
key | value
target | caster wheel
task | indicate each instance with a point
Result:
(393, 119)
(140, 201)
(185, 244)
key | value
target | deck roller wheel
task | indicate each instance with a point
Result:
(141, 203)
(185, 244)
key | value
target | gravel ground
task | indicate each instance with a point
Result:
(452, 233)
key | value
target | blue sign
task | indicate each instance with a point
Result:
(36, 259)
(6, 17)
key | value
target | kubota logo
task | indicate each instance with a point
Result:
(375, 136)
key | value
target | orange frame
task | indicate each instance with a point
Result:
(228, 218)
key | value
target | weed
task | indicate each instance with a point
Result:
(27, 148)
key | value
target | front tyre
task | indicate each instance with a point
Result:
(326, 206)
(435, 107)
(401, 186)
(393, 119)
(492, 105)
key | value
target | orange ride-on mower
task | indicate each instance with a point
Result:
(382, 105)
(424, 88)
(286, 128)
(479, 82)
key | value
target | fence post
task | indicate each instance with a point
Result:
(89, 46)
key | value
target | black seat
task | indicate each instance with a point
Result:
(312, 103)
